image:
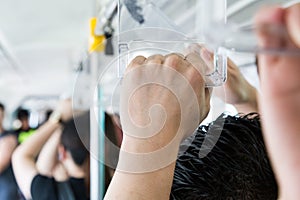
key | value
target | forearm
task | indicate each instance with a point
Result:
(145, 168)
(155, 185)
(281, 131)
(24, 157)
(48, 157)
(31, 147)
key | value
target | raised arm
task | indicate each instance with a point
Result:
(48, 157)
(163, 100)
(280, 102)
(24, 157)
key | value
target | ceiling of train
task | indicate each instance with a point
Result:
(48, 38)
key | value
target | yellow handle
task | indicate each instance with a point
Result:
(96, 42)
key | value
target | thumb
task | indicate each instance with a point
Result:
(293, 23)
(267, 20)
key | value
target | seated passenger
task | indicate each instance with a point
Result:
(8, 143)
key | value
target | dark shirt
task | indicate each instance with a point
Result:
(45, 188)
(8, 185)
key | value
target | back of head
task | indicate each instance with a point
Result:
(237, 167)
(2, 107)
(22, 114)
(75, 137)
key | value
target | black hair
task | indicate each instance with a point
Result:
(111, 145)
(256, 63)
(75, 137)
(2, 107)
(22, 114)
(48, 114)
(237, 167)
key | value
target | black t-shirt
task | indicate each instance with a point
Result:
(8, 185)
(45, 188)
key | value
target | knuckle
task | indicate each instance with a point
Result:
(173, 59)
(155, 58)
(138, 60)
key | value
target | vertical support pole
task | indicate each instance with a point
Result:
(97, 167)
(97, 133)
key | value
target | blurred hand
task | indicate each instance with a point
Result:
(64, 107)
(237, 90)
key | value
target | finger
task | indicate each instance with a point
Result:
(197, 62)
(155, 59)
(176, 61)
(193, 48)
(265, 21)
(293, 25)
(207, 55)
(231, 65)
(137, 61)
(208, 58)
(232, 70)
(175, 54)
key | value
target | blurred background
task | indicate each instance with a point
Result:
(58, 49)
(43, 42)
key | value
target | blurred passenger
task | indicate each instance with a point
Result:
(8, 142)
(44, 179)
(62, 167)
(25, 131)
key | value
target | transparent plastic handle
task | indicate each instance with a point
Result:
(250, 34)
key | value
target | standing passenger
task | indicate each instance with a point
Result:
(69, 180)
(8, 142)
(25, 130)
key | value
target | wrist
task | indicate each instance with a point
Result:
(55, 117)
(146, 155)
(138, 142)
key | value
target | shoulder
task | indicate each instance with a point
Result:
(8, 133)
(43, 188)
(9, 138)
